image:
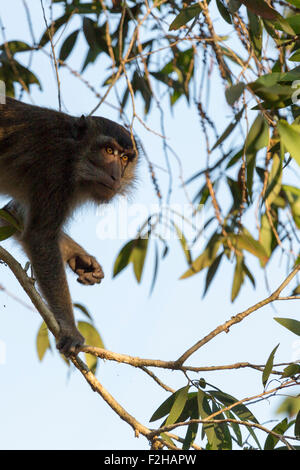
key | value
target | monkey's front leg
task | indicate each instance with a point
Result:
(44, 252)
(84, 265)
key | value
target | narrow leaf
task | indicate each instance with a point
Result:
(297, 425)
(212, 271)
(247, 242)
(164, 408)
(6, 232)
(123, 257)
(92, 338)
(280, 428)
(42, 341)
(137, 257)
(185, 16)
(68, 45)
(290, 137)
(290, 324)
(238, 278)
(178, 405)
(268, 367)
(204, 412)
(10, 219)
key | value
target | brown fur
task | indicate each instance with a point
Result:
(49, 163)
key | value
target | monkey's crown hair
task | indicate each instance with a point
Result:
(114, 130)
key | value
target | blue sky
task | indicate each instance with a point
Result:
(42, 405)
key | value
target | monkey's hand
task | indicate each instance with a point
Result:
(87, 268)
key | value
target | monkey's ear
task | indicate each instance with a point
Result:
(79, 128)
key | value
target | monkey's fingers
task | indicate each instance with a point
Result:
(89, 278)
(87, 268)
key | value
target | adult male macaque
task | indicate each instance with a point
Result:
(50, 163)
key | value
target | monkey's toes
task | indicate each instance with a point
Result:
(69, 344)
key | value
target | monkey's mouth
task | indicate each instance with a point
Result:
(112, 187)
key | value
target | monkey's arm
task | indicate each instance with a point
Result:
(83, 264)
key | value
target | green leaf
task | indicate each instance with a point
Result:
(84, 310)
(238, 278)
(258, 136)
(240, 410)
(297, 425)
(274, 180)
(247, 242)
(236, 428)
(290, 324)
(290, 25)
(6, 232)
(222, 430)
(92, 338)
(16, 46)
(155, 271)
(54, 28)
(233, 92)
(42, 341)
(190, 435)
(255, 30)
(167, 438)
(268, 367)
(185, 16)
(266, 234)
(261, 8)
(211, 272)
(296, 3)
(295, 57)
(224, 12)
(87, 8)
(123, 258)
(90, 333)
(292, 192)
(228, 129)
(165, 407)
(290, 406)
(248, 274)
(280, 428)
(68, 45)
(184, 244)
(178, 405)
(10, 219)
(291, 370)
(137, 257)
(290, 137)
(234, 5)
(206, 258)
(89, 26)
(192, 428)
(204, 412)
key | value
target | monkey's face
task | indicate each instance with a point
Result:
(109, 169)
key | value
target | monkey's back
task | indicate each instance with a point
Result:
(30, 139)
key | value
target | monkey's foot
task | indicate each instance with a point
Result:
(87, 268)
(69, 342)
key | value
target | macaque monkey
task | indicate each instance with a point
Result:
(50, 163)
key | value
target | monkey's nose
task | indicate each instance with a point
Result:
(115, 171)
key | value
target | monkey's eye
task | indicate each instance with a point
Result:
(109, 150)
(124, 158)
